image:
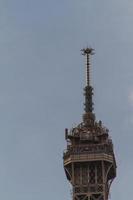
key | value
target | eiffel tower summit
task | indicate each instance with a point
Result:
(89, 160)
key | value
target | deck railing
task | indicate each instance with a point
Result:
(89, 149)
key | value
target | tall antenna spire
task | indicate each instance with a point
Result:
(88, 89)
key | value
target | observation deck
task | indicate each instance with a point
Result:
(86, 153)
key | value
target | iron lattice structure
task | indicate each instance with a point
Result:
(89, 160)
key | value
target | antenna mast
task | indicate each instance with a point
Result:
(88, 89)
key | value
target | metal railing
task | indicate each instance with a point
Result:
(89, 149)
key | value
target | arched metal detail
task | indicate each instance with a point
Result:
(108, 183)
(108, 172)
(67, 171)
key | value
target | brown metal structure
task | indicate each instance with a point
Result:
(89, 160)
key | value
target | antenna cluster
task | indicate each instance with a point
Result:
(88, 51)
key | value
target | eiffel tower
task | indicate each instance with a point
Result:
(89, 160)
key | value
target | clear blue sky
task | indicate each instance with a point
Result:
(41, 90)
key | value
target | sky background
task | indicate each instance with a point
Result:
(41, 90)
